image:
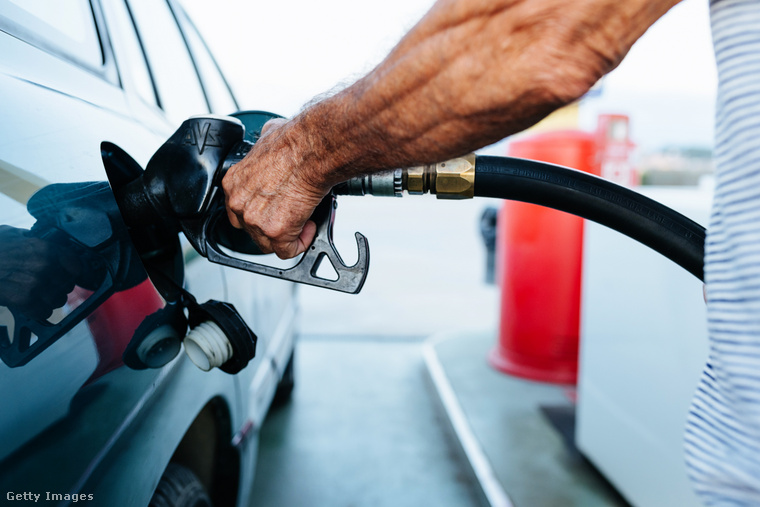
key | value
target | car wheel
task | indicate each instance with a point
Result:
(286, 385)
(179, 487)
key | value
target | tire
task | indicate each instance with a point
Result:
(285, 388)
(179, 487)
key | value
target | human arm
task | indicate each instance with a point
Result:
(468, 74)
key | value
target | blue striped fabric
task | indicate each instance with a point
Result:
(722, 441)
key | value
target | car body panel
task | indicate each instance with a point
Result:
(76, 420)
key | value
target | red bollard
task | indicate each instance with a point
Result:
(540, 255)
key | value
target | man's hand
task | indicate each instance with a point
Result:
(266, 193)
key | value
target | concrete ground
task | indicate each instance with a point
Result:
(524, 429)
(369, 425)
(426, 270)
(361, 430)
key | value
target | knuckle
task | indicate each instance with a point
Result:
(228, 182)
(275, 230)
(236, 204)
(249, 218)
(233, 218)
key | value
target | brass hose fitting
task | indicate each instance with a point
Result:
(452, 179)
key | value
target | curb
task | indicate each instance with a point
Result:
(493, 495)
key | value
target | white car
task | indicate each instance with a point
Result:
(93, 411)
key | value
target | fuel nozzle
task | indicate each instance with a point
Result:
(177, 192)
(180, 191)
(452, 179)
(181, 180)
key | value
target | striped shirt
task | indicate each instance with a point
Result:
(722, 440)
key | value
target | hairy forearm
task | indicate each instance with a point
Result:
(470, 73)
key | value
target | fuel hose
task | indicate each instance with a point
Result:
(645, 220)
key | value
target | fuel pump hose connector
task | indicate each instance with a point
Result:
(643, 219)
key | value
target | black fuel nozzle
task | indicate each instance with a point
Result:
(181, 180)
(180, 190)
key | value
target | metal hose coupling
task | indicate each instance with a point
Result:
(384, 184)
(452, 179)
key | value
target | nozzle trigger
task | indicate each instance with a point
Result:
(349, 279)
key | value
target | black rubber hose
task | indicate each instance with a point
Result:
(664, 230)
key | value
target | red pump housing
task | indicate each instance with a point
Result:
(540, 252)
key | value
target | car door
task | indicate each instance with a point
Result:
(73, 292)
